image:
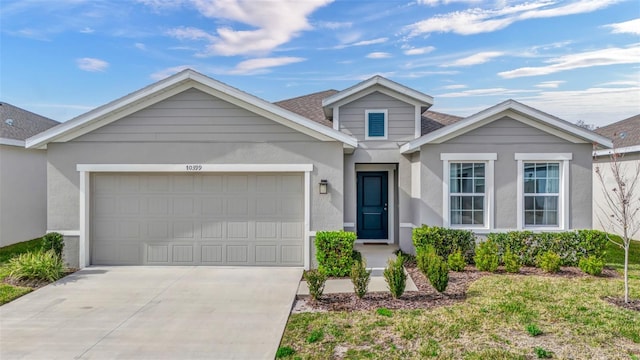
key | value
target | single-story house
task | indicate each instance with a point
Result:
(192, 171)
(626, 142)
(23, 176)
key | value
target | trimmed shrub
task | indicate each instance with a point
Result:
(549, 262)
(360, 277)
(334, 252)
(315, 281)
(424, 257)
(571, 246)
(53, 241)
(438, 274)
(591, 265)
(511, 262)
(456, 261)
(395, 277)
(445, 241)
(38, 265)
(487, 258)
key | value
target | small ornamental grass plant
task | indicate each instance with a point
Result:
(315, 281)
(456, 261)
(360, 278)
(549, 262)
(487, 258)
(511, 262)
(395, 277)
(37, 265)
(591, 265)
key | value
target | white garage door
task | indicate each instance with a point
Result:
(197, 219)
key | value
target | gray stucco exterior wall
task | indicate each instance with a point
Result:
(192, 146)
(23, 194)
(505, 137)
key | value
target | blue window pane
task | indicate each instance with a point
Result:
(376, 124)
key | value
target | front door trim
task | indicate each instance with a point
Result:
(390, 168)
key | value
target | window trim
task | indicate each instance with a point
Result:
(488, 159)
(386, 124)
(563, 198)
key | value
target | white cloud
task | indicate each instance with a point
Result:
(140, 46)
(419, 51)
(362, 43)
(598, 106)
(165, 73)
(378, 55)
(479, 58)
(271, 26)
(627, 27)
(485, 92)
(334, 25)
(455, 87)
(477, 20)
(609, 56)
(158, 5)
(87, 30)
(550, 84)
(446, 2)
(92, 64)
(260, 65)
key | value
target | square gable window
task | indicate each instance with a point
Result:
(376, 124)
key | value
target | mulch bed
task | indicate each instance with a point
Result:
(618, 301)
(34, 283)
(427, 297)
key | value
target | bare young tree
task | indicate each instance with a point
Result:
(620, 212)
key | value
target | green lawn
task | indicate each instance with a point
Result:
(10, 292)
(494, 322)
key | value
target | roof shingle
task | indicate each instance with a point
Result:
(20, 124)
(623, 133)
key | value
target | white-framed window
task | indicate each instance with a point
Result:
(543, 190)
(468, 190)
(376, 124)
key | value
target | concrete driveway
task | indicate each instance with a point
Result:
(152, 313)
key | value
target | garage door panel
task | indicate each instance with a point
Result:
(208, 219)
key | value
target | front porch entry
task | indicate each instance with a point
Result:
(375, 203)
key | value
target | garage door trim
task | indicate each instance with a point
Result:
(85, 192)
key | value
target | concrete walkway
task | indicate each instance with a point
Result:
(152, 313)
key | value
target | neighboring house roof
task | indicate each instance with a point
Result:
(19, 124)
(174, 85)
(375, 83)
(309, 106)
(625, 135)
(522, 112)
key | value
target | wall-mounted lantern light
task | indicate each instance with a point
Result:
(324, 185)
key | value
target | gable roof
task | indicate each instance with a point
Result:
(417, 96)
(17, 124)
(309, 106)
(176, 84)
(544, 121)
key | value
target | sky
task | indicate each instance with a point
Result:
(578, 60)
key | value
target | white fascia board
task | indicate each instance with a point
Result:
(467, 124)
(622, 150)
(12, 142)
(378, 80)
(81, 124)
(194, 168)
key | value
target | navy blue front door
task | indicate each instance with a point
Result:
(373, 200)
